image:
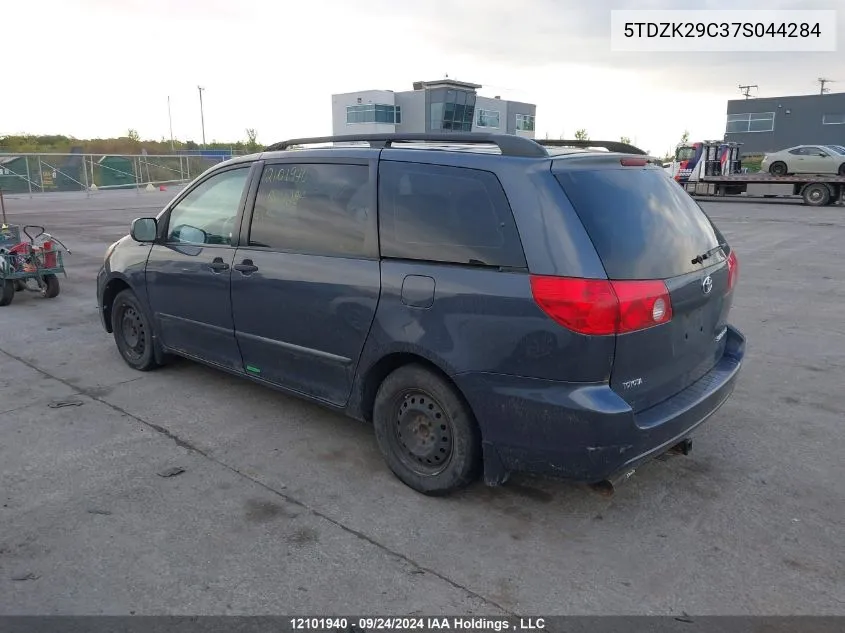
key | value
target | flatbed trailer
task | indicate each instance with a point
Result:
(719, 175)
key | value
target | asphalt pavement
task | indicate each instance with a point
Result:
(188, 491)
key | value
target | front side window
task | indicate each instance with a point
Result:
(685, 153)
(208, 214)
(315, 209)
(809, 151)
(446, 214)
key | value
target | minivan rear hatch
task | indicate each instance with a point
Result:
(656, 244)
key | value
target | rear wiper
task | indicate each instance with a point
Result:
(700, 259)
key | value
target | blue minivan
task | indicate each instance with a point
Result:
(490, 303)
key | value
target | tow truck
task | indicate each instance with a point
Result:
(714, 168)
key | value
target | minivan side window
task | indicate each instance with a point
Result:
(446, 214)
(315, 209)
(207, 214)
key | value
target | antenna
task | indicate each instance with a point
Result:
(822, 82)
(746, 90)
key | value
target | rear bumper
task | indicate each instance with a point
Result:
(587, 432)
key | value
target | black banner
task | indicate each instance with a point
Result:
(422, 624)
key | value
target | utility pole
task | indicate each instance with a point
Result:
(170, 118)
(822, 82)
(202, 116)
(746, 90)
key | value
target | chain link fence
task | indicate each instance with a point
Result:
(42, 173)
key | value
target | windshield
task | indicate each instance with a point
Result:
(643, 225)
(685, 153)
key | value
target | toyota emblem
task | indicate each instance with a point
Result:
(707, 285)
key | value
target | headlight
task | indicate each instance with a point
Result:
(109, 251)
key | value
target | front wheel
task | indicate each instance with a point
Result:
(133, 332)
(778, 169)
(426, 432)
(7, 292)
(842, 169)
(51, 287)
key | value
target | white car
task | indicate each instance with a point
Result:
(806, 159)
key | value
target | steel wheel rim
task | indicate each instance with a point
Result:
(132, 332)
(422, 433)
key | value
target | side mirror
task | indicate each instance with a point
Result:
(190, 234)
(144, 229)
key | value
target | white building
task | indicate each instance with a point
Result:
(445, 105)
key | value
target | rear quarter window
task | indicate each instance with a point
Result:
(642, 224)
(446, 214)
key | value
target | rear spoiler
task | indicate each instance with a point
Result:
(612, 146)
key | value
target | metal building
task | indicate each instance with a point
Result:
(771, 124)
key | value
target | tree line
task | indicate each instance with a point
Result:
(131, 143)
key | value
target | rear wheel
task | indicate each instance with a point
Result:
(7, 292)
(133, 332)
(51, 287)
(425, 431)
(816, 195)
(778, 169)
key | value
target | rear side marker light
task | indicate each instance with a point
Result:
(600, 307)
(733, 270)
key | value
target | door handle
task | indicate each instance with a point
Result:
(217, 264)
(246, 267)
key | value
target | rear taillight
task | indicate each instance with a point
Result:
(733, 270)
(588, 306)
(601, 307)
(634, 162)
(642, 304)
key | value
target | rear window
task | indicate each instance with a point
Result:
(643, 225)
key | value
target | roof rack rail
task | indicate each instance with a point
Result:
(508, 144)
(613, 146)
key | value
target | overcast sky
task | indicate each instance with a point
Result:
(94, 68)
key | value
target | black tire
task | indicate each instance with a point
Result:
(51, 287)
(133, 332)
(426, 432)
(778, 169)
(816, 194)
(7, 292)
(842, 169)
